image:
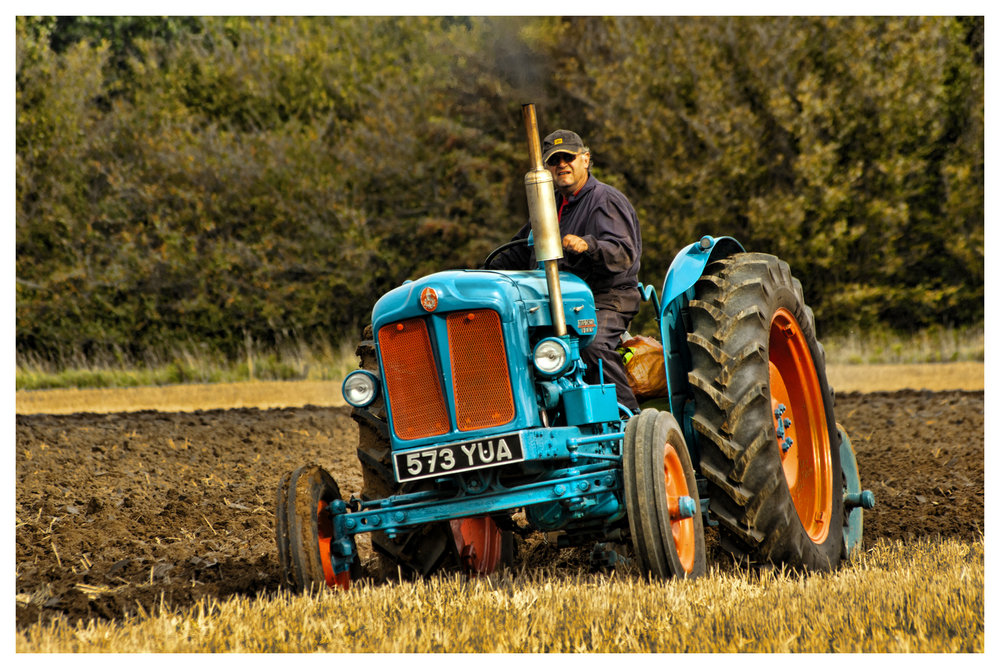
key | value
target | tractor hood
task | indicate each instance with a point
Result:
(519, 296)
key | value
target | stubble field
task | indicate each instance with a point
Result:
(121, 512)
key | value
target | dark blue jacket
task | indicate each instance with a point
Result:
(603, 217)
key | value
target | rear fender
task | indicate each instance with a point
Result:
(688, 265)
(678, 288)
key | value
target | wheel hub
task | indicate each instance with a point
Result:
(679, 503)
(324, 529)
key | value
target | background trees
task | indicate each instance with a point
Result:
(206, 180)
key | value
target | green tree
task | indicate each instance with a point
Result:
(832, 142)
(206, 180)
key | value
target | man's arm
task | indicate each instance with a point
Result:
(610, 246)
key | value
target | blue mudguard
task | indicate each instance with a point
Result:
(678, 288)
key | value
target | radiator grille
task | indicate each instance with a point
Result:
(480, 378)
(412, 382)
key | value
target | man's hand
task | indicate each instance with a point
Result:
(574, 244)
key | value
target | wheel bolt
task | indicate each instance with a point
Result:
(786, 444)
(686, 508)
(865, 499)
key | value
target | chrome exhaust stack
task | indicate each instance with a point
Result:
(544, 219)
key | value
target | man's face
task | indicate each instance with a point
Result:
(569, 172)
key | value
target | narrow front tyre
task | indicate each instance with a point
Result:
(661, 498)
(304, 526)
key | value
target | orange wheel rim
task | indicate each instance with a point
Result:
(478, 541)
(799, 419)
(324, 528)
(682, 529)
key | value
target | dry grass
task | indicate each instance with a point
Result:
(272, 394)
(326, 361)
(933, 344)
(294, 361)
(185, 397)
(922, 597)
(931, 376)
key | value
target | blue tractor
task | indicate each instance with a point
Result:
(475, 423)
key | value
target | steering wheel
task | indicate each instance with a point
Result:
(500, 249)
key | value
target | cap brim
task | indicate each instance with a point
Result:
(556, 150)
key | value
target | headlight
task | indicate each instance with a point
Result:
(360, 388)
(551, 356)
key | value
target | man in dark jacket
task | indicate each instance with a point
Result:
(601, 244)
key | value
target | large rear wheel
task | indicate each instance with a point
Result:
(764, 415)
(661, 498)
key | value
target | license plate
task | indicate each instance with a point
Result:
(442, 460)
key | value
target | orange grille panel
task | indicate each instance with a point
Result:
(411, 378)
(479, 375)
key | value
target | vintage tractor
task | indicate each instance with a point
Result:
(475, 423)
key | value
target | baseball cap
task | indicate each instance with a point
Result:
(562, 141)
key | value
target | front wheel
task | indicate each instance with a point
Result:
(661, 498)
(764, 415)
(304, 526)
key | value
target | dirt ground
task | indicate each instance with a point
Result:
(121, 510)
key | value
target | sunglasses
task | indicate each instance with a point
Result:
(557, 158)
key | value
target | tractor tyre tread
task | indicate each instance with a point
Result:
(730, 319)
(306, 486)
(650, 493)
(281, 531)
(650, 525)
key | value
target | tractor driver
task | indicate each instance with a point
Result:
(601, 244)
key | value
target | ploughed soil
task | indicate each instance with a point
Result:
(121, 510)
